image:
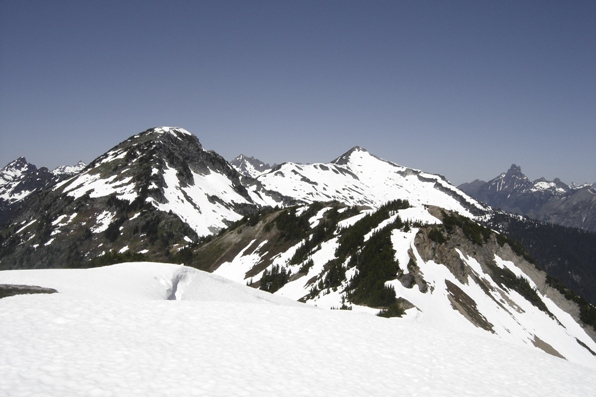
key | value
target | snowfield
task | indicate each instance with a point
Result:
(152, 329)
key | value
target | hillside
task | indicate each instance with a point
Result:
(145, 198)
(437, 266)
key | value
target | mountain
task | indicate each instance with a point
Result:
(160, 191)
(423, 262)
(161, 329)
(249, 166)
(547, 201)
(358, 233)
(360, 178)
(19, 179)
(150, 195)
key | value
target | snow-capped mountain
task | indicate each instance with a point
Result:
(250, 166)
(149, 195)
(19, 179)
(159, 329)
(161, 189)
(357, 233)
(547, 201)
(360, 178)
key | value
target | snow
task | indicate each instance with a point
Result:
(69, 169)
(193, 203)
(418, 214)
(97, 186)
(112, 332)
(541, 186)
(26, 226)
(103, 221)
(171, 130)
(242, 263)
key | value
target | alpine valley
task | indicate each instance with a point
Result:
(357, 233)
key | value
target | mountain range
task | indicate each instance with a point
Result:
(356, 233)
(546, 201)
(19, 179)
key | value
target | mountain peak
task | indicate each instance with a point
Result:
(515, 170)
(16, 168)
(170, 130)
(19, 163)
(345, 158)
(249, 166)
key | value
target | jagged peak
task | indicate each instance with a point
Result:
(18, 163)
(17, 167)
(515, 170)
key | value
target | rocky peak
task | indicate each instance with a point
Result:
(345, 158)
(511, 181)
(15, 169)
(250, 166)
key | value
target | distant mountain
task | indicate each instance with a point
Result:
(250, 166)
(359, 178)
(19, 179)
(547, 201)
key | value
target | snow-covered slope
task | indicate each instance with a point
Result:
(123, 337)
(447, 271)
(360, 178)
(167, 167)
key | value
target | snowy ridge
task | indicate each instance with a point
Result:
(469, 300)
(129, 339)
(359, 178)
(69, 169)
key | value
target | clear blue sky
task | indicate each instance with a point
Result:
(460, 88)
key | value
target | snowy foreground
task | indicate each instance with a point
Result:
(156, 330)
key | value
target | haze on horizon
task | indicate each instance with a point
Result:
(463, 88)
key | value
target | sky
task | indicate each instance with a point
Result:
(459, 88)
